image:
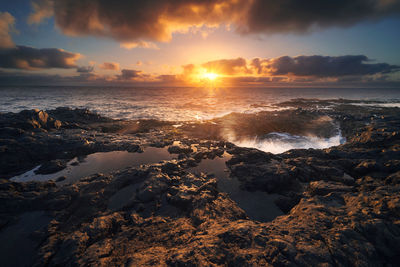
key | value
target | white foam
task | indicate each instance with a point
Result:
(280, 142)
(384, 105)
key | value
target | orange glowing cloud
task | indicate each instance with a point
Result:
(132, 22)
(7, 22)
(156, 20)
(284, 69)
(109, 66)
(294, 71)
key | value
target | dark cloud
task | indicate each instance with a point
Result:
(85, 69)
(11, 78)
(302, 66)
(134, 21)
(137, 77)
(127, 77)
(23, 78)
(29, 78)
(300, 15)
(109, 66)
(168, 78)
(29, 58)
(324, 66)
(128, 20)
(127, 74)
(256, 64)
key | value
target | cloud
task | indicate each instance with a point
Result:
(24, 78)
(29, 58)
(300, 66)
(323, 66)
(169, 78)
(142, 79)
(141, 44)
(7, 22)
(127, 77)
(285, 71)
(302, 16)
(290, 70)
(127, 74)
(109, 66)
(85, 69)
(130, 21)
(227, 66)
(137, 22)
(42, 9)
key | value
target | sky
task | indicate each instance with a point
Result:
(201, 42)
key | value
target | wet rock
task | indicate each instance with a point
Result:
(367, 166)
(52, 167)
(147, 194)
(104, 225)
(178, 149)
(170, 167)
(76, 115)
(393, 179)
(135, 148)
(257, 174)
(323, 188)
(11, 132)
(61, 178)
(342, 204)
(346, 179)
(286, 203)
(28, 120)
(182, 198)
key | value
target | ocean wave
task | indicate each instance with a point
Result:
(181, 104)
(280, 142)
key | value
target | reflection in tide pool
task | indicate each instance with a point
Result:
(101, 162)
(258, 205)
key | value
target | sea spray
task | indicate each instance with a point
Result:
(280, 142)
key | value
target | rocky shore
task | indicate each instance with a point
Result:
(338, 206)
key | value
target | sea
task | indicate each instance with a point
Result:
(193, 104)
(176, 104)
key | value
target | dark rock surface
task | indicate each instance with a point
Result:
(30, 138)
(52, 166)
(341, 204)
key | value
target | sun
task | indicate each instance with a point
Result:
(210, 76)
(204, 77)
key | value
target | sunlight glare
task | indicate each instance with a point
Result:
(210, 76)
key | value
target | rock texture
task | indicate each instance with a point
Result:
(341, 204)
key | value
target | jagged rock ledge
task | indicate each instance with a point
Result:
(341, 205)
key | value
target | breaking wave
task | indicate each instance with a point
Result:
(280, 142)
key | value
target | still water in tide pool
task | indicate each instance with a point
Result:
(101, 162)
(258, 205)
